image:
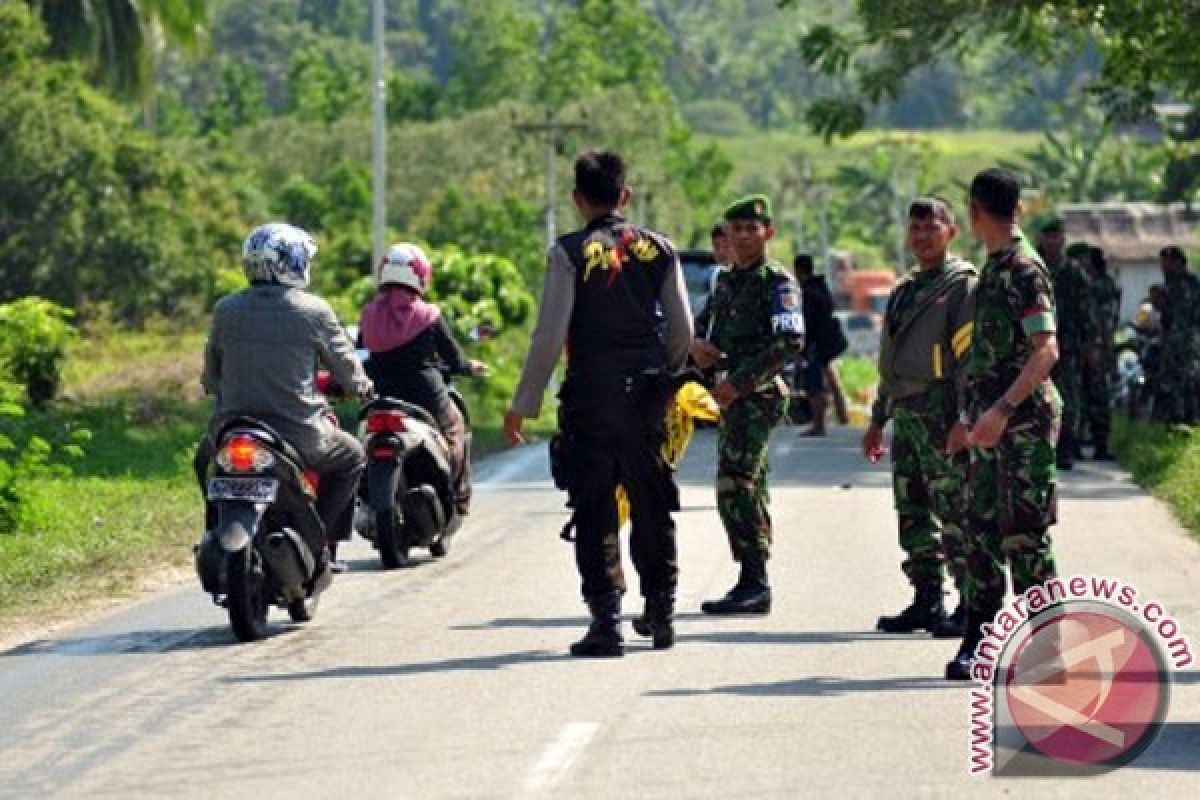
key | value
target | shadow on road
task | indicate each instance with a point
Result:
(800, 637)
(557, 622)
(130, 643)
(1176, 748)
(817, 686)
(500, 661)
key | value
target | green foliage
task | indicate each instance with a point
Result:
(239, 99)
(508, 227)
(1085, 160)
(326, 82)
(479, 292)
(117, 39)
(495, 52)
(1165, 460)
(1144, 46)
(34, 337)
(94, 209)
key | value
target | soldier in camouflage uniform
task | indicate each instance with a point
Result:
(752, 323)
(1174, 398)
(1069, 275)
(926, 334)
(1011, 417)
(1103, 308)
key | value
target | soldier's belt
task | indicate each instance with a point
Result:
(776, 382)
(900, 388)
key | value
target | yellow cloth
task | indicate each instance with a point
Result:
(692, 402)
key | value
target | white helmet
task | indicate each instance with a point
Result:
(406, 265)
(278, 253)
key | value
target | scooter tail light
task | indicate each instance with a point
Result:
(380, 453)
(244, 454)
(390, 421)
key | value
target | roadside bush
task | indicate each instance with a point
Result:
(34, 337)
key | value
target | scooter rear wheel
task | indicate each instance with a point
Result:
(392, 539)
(247, 598)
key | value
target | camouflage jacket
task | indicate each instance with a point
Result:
(1181, 318)
(1075, 328)
(1013, 303)
(754, 318)
(1103, 309)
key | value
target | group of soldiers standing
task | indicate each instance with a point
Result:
(1089, 305)
(967, 355)
(1176, 381)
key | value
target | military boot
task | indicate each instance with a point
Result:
(953, 626)
(603, 637)
(1065, 455)
(926, 612)
(658, 620)
(959, 667)
(751, 594)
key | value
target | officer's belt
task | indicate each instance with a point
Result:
(777, 383)
(899, 388)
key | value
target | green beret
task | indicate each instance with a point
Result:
(1079, 250)
(1050, 224)
(753, 206)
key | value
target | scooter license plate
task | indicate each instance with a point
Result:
(252, 490)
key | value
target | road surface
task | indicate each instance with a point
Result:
(450, 679)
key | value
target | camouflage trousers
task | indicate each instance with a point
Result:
(1176, 383)
(928, 487)
(1097, 396)
(742, 438)
(1011, 504)
(1068, 379)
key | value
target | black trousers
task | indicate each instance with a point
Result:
(614, 426)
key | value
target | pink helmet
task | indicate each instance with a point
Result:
(405, 265)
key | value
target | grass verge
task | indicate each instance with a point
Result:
(1166, 461)
(129, 509)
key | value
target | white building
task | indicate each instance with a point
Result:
(1131, 235)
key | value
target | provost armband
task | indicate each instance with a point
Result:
(787, 316)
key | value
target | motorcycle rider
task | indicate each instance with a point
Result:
(410, 342)
(259, 362)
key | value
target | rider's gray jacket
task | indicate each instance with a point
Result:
(261, 357)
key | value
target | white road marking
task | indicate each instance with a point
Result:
(558, 757)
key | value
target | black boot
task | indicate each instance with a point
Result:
(1065, 456)
(959, 668)
(657, 620)
(924, 613)
(603, 637)
(954, 626)
(751, 594)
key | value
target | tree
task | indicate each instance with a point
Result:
(1146, 47)
(93, 210)
(495, 53)
(118, 39)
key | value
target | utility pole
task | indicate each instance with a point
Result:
(378, 136)
(553, 133)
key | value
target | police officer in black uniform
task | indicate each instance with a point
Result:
(614, 295)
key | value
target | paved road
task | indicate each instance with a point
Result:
(449, 680)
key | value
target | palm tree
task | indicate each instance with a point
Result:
(121, 40)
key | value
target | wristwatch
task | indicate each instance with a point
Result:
(1005, 406)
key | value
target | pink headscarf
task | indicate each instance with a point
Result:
(395, 317)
